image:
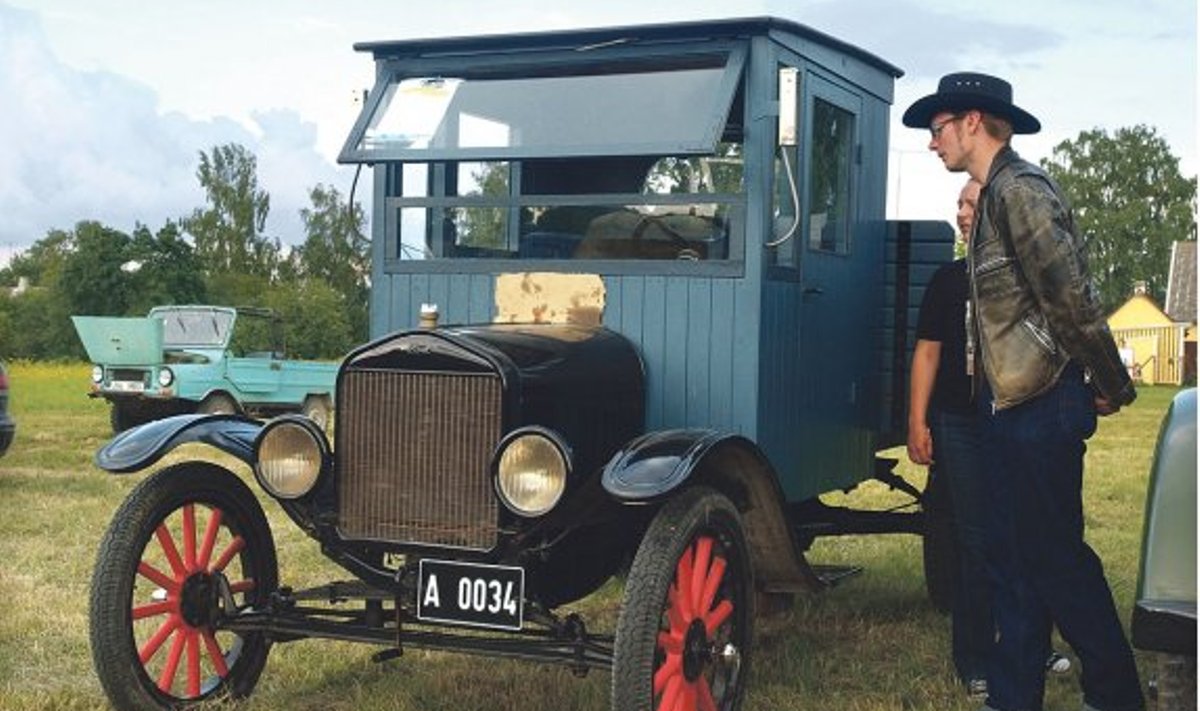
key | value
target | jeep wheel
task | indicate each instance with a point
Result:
(217, 404)
(939, 543)
(185, 541)
(124, 417)
(684, 632)
(317, 409)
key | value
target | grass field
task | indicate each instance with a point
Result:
(871, 644)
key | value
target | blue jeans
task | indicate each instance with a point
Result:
(1041, 569)
(956, 458)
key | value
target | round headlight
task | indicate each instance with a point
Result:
(531, 473)
(165, 377)
(97, 374)
(290, 456)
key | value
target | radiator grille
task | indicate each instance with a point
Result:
(413, 455)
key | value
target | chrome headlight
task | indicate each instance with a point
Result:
(289, 456)
(531, 471)
(97, 374)
(165, 377)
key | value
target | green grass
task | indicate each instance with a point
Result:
(871, 644)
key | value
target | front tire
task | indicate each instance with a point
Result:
(183, 535)
(684, 632)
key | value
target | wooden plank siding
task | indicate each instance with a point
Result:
(792, 356)
(1158, 352)
(930, 245)
(685, 329)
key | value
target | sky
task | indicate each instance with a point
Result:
(108, 103)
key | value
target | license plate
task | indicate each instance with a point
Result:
(127, 386)
(471, 594)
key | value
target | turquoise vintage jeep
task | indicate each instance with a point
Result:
(205, 359)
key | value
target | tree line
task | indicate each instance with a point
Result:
(1130, 202)
(219, 254)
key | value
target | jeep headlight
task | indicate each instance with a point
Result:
(97, 374)
(289, 456)
(165, 377)
(531, 471)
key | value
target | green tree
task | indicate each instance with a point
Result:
(336, 252)
(229, 232)
(163, 269)
(237, 289)
(1130, 203)
(41, 263)
(314, 319)
(483, 227)
(37, 325)
(94, 280)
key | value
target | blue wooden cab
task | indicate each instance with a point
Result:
(713, 191)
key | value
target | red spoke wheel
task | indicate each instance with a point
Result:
(684, 633)
(186, 541)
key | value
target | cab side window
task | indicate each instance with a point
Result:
(829, 179)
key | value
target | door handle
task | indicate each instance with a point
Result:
(813, 291)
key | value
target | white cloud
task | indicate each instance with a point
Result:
(97, 145)
(115, 98)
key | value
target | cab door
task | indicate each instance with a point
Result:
(834, 290)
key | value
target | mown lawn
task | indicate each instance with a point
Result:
(871, 644)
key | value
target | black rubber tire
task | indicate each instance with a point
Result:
(1176, 675)
(218, 404)
(122, 417)
(121, 587)
(650, 608)
(940, 548)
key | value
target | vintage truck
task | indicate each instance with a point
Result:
(203, 359)
(671, 316)
(1164, 611)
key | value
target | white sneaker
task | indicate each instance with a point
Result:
(1058, 663)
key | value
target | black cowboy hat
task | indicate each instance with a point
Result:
(964, 91)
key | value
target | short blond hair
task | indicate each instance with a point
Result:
(996, 127)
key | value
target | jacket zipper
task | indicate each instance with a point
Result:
(1040, 336)
(992, 265)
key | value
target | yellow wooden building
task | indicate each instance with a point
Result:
(1159, 348)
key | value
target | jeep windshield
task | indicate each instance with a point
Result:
(620, 160)
(194, 328)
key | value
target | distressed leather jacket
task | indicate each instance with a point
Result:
(1033, 303)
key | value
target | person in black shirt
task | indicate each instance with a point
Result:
(943, 433)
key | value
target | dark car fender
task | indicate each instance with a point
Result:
(654, 465)
(1164, 612)
(140, 447)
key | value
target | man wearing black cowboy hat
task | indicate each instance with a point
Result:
(1049, 366)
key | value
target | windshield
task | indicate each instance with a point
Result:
(678, 107)
(194, 328)
(641, 208)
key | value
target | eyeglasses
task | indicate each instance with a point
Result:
(935, 130)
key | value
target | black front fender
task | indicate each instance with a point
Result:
(657, 462)
(140, 447)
